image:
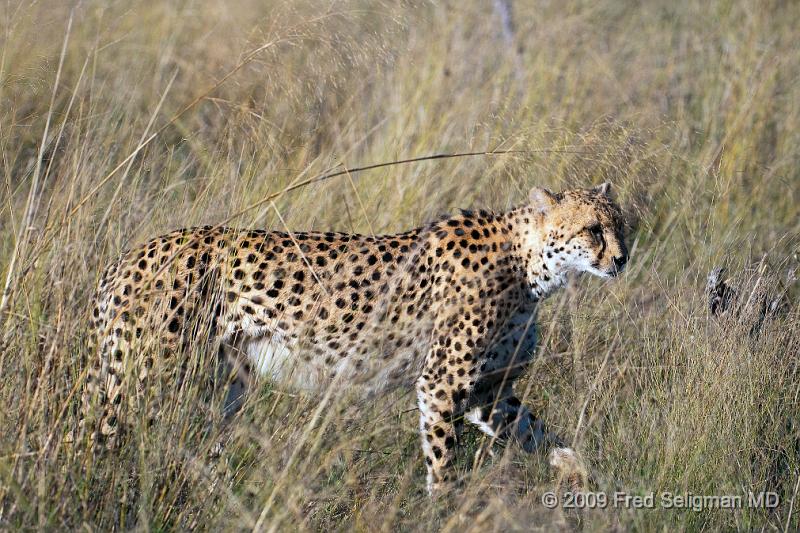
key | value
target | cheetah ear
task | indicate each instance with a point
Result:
(603, 188)
(541, 199)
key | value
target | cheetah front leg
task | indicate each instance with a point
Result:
(438, 434)
(441, 395)
(503, 416)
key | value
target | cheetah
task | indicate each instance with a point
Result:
(447, 309)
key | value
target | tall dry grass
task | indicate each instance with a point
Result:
(120, 120)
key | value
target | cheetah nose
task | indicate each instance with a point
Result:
(619, 263)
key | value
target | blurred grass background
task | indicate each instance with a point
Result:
(692, 111)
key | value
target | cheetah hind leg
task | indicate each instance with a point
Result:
(237, 390)
(232, 373)
(100, 406)
(234, 399)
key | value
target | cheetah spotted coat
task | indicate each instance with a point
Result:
(448, 308)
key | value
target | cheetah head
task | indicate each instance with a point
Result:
(581, 231)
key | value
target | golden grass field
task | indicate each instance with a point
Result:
(123, 120)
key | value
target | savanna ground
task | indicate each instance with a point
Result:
(122, 120)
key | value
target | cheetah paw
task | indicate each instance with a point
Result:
(569, 468)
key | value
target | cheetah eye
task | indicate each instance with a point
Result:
(596, 231)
